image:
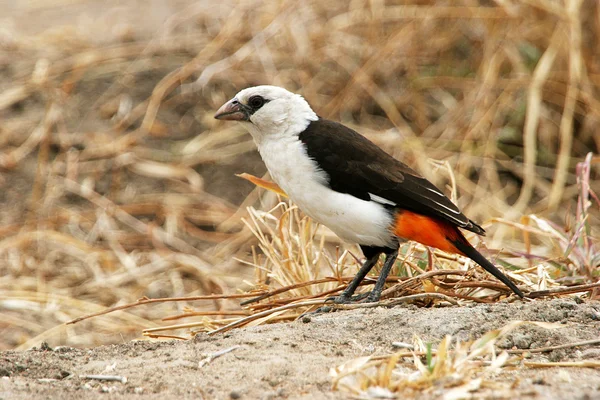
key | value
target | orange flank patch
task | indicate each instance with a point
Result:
(427, 230)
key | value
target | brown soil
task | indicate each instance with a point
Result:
(293, 360)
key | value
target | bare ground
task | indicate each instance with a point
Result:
(292, 360)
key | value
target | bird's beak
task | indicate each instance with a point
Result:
(233, 110)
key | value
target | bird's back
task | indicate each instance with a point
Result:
(353, 219)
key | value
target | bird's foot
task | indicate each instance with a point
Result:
(320, 310)
(341, 299)
(371, 297)
(345, 299)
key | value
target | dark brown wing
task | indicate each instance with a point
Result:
(357, 166)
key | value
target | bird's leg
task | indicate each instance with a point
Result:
(372, 255)
(385, 271)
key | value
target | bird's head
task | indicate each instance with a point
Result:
(268, 111)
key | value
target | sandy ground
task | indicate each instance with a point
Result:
(293, 360)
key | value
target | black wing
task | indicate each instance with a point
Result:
(357, 166)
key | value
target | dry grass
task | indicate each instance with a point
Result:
(295, 273)
(117, 184)
(453, 370)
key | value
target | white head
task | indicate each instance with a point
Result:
(268, 112)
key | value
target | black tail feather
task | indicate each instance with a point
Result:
(476, 256)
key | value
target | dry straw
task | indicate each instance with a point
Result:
(453, 370)
(118, 185)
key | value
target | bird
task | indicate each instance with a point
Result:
(344, 181)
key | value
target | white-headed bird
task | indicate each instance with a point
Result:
(347, 183)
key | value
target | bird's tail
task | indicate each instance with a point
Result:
(444, 236)
(466, 249)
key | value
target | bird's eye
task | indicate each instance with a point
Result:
(256, 102)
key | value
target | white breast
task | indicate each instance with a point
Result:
(352, 219)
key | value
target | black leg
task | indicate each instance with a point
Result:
(385, 271)
(372, 255)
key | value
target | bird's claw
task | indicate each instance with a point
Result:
(320, 310)
(342, 299)
(333, 300)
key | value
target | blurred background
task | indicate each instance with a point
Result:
(117, 183)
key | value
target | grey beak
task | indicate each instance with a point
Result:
(233, 110)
